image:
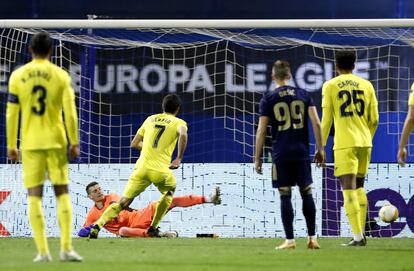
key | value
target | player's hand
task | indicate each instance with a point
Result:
(258, 166)
(74, 151)
(402, 156)
(175, 164)
(13, 154)
(84, 232)
(319, 158)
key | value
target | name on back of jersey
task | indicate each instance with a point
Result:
(348, 83)
(35, 74)
(159, 119)
(287, 92)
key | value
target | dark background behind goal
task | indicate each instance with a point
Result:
(220, 9)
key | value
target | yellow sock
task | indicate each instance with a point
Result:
(110, 213)
(64, 212)
(37, 221)
(352, 210)
(363, 206)
(162, 207)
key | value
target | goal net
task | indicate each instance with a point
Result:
(121, 75)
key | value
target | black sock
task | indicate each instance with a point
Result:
(287, 215)
(309, 212)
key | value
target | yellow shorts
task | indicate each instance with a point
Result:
(36, 163)
(142, 177)
(352, 161)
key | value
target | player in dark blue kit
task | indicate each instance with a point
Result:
(287, 110)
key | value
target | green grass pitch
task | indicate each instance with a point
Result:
(213, 254)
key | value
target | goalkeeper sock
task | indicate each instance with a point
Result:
(309, 212)
(64, 212)
(363, 206)
(110, 213)
(187, 201)
(162, 207)
(37, 221)
(352, 211)
(287, 215)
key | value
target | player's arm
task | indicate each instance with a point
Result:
(136, 142)
(138, 139)
(407, 129)
(12, 120)
(182, 145)
(71, 116)
(260, 139)
(317, 132)
(373, 114)
(327, 114)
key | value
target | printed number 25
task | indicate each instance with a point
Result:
(349, 99)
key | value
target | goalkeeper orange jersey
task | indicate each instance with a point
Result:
(39, 91)
(134, 219)
(160, 133)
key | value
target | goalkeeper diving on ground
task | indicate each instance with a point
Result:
(135, 223)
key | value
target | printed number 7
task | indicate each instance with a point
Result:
(161, 129)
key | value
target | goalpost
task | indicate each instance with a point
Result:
(121, 69)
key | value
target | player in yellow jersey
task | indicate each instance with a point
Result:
(156, 138)
(349, 101)
(39, 91)
(408, 128)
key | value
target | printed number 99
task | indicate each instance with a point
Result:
(292, 115)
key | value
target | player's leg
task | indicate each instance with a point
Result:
(167, 188)
(287, 215)
(191, 200)
(132, 232)
(281, 181)
(364, 156)
(57, 167)
(346, 167)
(187, 201)
(139, 232)
(137, 183)
(362, 201)
(303, 175)
(309, 212)
(34, 169)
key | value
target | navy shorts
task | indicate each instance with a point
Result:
(291, 173)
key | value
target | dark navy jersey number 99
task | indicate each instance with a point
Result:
(287, 108)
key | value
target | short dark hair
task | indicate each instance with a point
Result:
(345, 60)
(89, 186)
(41, 44)
(171, 103)
(281, 70)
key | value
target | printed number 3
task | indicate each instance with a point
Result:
(41, 108)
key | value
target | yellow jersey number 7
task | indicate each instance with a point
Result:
(161, 129)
